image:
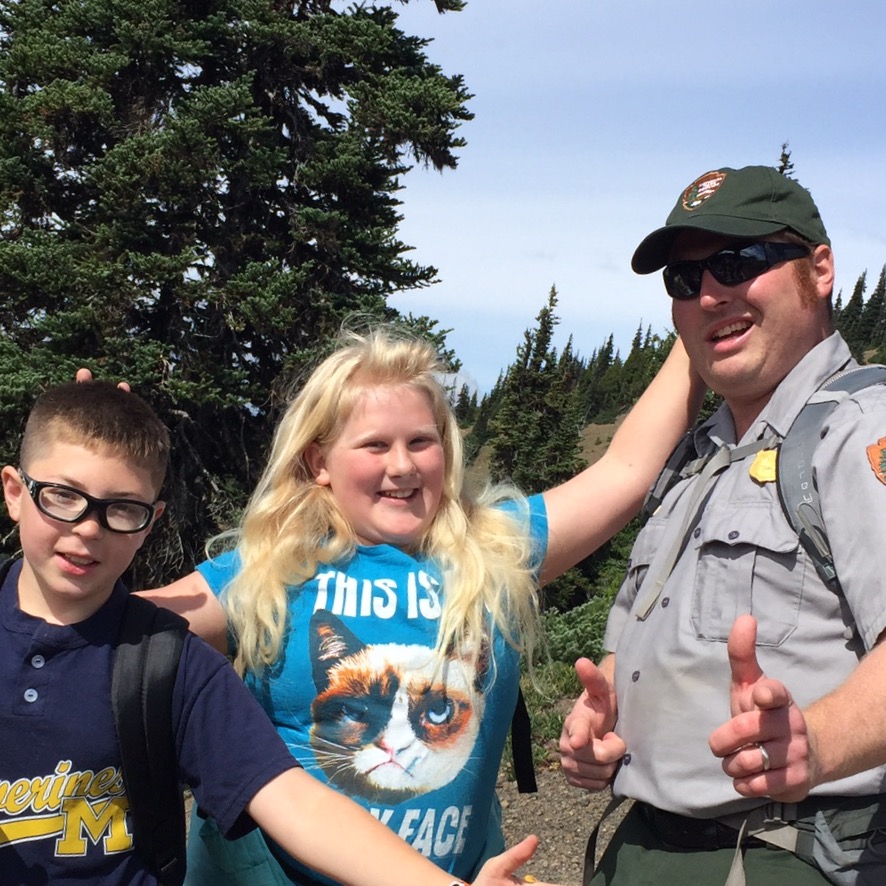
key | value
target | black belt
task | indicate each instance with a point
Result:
(697, 834)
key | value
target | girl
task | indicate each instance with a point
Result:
(378, 609)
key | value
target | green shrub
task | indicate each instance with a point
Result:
(579, 632)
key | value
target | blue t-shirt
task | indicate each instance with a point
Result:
(357, 699)
(63, 808)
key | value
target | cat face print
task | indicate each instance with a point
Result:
(390, 722)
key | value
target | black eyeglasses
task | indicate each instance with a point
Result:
(72, 506)
(731, 266)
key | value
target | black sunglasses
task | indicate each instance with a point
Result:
(731, 266)
(70, 505)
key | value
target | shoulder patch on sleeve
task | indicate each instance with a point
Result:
(877, 458)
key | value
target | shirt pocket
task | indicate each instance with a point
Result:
(644, 550)
(748, 562)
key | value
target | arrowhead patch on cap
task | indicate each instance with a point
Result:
(701, 189)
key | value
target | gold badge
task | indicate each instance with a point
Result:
(763, 468)
(877, 458)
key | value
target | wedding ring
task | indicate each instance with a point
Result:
(765, 754)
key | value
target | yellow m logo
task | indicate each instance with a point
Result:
(104, 820)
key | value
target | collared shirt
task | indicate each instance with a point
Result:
(672, 670)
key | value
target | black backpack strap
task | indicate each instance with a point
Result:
(145, 667)
(797, 489)
(521, 747)
(683, 462)
(5, 566)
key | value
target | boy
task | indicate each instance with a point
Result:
(84, 495)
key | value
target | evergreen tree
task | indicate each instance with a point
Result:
(613, 391)
(637, 366)
(561, 443)
(871, 325)
(848, 320)
(592, 390)
(479, 434)
(522, 418)
(465, 406)
(193, 196)
(785, 164)
(874, 322)
(536, 433)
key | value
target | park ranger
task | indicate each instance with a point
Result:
(742, 704)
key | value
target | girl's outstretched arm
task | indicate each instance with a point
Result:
(589, 509)
(335, 836)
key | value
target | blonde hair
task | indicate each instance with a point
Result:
(292, 525)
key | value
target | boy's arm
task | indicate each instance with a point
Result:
(590, 508)
(335, 836)
(192, 599)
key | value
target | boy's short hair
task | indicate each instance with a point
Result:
(98, 414)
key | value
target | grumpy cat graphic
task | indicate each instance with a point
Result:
(390, 721)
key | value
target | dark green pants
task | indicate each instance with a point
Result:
(636, 857)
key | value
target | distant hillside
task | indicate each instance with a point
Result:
(594, 440)
(596, 437)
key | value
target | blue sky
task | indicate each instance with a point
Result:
(591, 116)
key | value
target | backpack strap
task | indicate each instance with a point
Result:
(145, 667)
(5, 566)
(797, 489)
(521, 747)
(678, 466)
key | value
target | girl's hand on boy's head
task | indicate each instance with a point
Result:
(500, 870)
(84, 374)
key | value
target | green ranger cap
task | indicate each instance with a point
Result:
(754, 201)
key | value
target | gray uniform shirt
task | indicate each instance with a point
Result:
(672, 670)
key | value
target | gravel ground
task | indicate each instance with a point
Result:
(562, 817)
